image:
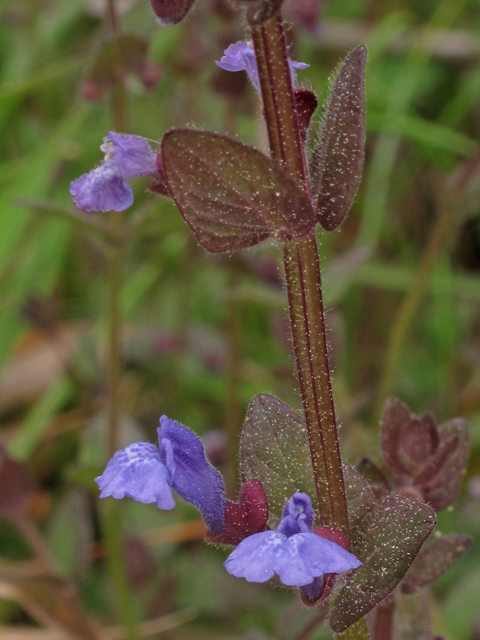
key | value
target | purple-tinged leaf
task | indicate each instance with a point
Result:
(274, 448)
(262, 11)
(337, 162)
(418, 441)
(230, 194)
(387, 541)
(396, 417)
(412, 620)
(171, 11)
(305, 104)
(441, 491)
(434, 560)
(360, 498)
(373, 473)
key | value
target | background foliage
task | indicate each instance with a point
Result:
(203, 333)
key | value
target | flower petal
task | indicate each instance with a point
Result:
(101, 190)
(297, 560)
(307, 556)
(256, 557)
(137, 472)
(131, 155)
(241, 57)
(194, 478)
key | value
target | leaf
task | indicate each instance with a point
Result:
(396, 417)
(337, 162)
(274, 449)
(412, 617)
(434, 560)
(441, 491)
(230, 194)
(387, 540)
(171, 11)
(305, 104)
(360, 498)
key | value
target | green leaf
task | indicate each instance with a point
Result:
(387, 541)
(274, 448)
(230, 194)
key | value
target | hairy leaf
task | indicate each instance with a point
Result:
(230, 194)
(395, 419)
(412, 617)
(434, 560)
(441, 491)
(275, 449)
(171, 11)
(387, 541)
(337, 162)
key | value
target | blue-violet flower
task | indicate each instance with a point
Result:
(241, 57)
(104, 188)
(293, 552)
(148, 473)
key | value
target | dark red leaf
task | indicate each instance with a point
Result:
(337, 162)
(434, 560)
(387, 541)
(441, 491)
(246, 517)
(396, 417)
(418, 441)
(160, 185)
(171, 11)
(230, 194)
(305, 104)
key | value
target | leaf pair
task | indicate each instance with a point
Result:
(386, 536)
(233, 196)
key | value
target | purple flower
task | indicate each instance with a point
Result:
(241, 57)
(147, 474)
(104, 188)
(293, 552)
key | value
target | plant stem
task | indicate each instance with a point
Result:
(302, 271)
(109, 508)
(384, 619)
(303, 281)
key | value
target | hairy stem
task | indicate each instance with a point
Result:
(302, 271)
